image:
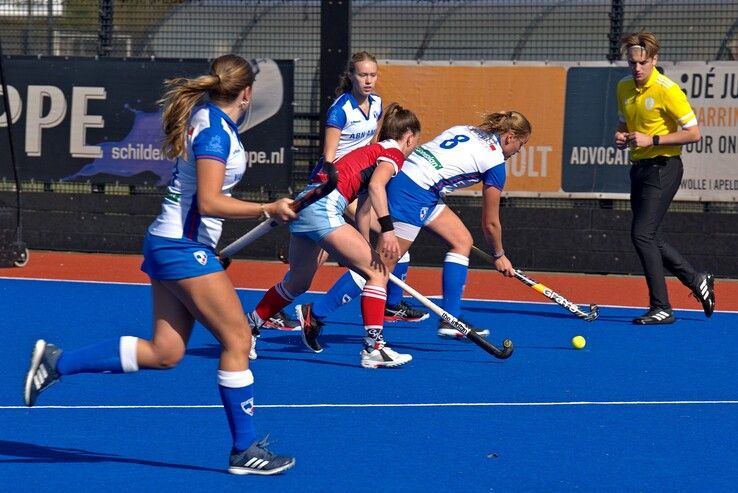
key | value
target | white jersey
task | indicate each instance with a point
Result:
(459, 157)
(357, 128)
(211, 135)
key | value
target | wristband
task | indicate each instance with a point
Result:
(655, 139)
(385, 223)
(498, 255)
(264, 214)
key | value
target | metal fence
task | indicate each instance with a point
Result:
(556, 30)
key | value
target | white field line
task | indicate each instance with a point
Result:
(436, 296)
(400, 405)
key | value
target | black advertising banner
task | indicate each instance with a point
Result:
(97, 120)
(591, 161)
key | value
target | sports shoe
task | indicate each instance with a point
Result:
(279, 321)
(404, 313)
(705, 292)
(251, 317)
(310, 326)
(447, 330)
(379, 355)
(42, 373)
(655, 316)
(258, 460)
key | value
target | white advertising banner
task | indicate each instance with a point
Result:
(710, 165)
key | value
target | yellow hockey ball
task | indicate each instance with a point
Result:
(578, 342)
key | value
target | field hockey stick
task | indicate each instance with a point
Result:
(265, 226)
(457, 324)
(546, 291)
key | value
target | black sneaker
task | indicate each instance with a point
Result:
(310, 326)
(447, 330)
(258, 460)
(42, 373)
(656, 316)
(705, 292)
(279, 321)
(404, 313)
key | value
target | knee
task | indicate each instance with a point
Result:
(462, 243)
(378, 277)
(641, 236)
(238, 342)
(167, 358)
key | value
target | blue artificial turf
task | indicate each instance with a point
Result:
(623, 414)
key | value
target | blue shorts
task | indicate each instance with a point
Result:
(169, 259)
(410, 203)
(320, 218)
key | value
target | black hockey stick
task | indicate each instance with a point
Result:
(312, 196)
(507, 345)
(594, 310)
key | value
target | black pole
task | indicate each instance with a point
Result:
(105, 30)
(617, 13)
(335, 33)
(18, 246)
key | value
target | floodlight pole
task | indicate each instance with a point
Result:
(335, 43)
(617, 13)
(105, 29)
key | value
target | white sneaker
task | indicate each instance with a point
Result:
(252, 352)
(447, 330)
(42, 372)
(383, 357)
(253, 322)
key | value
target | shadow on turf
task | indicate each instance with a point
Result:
(293, 344)
(29, 453)
(535, 313)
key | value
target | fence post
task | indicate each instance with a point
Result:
(617, 13)
(335, 43)
(105, 29)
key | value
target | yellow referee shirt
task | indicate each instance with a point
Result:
(659, 107)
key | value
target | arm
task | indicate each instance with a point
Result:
(387, 243)
(330, 144)
(621, 136)
(680, 137)
(212, 202)
(677, 109)
(492, 229)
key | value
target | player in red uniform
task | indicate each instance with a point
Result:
(362, 173)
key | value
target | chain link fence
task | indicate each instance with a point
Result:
(478, 30)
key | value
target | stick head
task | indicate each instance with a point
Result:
(594, 312)
(507, 349)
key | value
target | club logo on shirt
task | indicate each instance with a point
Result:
(649, 103)
(423, 213)
(215, 145)
(201, 256)
(248, 406)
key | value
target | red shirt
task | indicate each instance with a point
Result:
(355, 169)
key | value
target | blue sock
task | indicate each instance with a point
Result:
(342, 292)
(455, 267)
(394, 292)
(97, 358)
(237, 394)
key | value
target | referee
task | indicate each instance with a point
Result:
(655, 120)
